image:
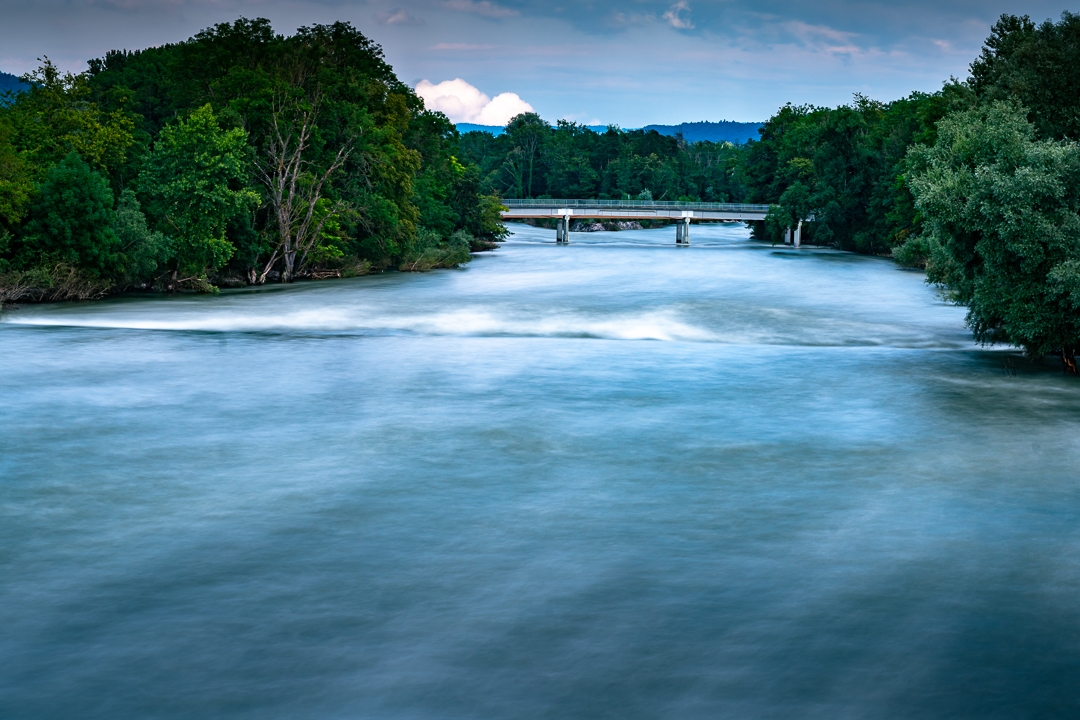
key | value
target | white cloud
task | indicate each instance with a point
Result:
(675, 18)
(461, 102)
(484, 7)
(398, 16)
(824, 38)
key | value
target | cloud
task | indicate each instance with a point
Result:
(484, 7)
(820, 38)
(398, 16)
(675, 18)
(461, 102)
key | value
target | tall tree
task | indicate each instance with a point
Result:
(1038, 66)
(1002, 219)
(197, 181)
(72, 221)
(295, 183)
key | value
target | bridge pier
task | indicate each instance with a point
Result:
(562, 229)
(682, 232)
(798, 235)
(787, 236)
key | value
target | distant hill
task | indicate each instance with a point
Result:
(497, 130)
(723, 131)
(10, 82)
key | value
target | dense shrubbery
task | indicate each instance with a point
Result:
(237, 153)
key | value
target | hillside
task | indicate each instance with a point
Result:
(9, 82)
(723, 131)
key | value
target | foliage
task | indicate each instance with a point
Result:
(534, 159)
(199, 134)
(1002, 222)
(16, 184)
(195, 178)
(72, 222)
(429, 250)
(1037, 66)
(145, 250)
(845, 168)
(56, 116)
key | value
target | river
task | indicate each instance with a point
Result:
(614, 479)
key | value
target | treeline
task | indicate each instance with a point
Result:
(978, 183)
(239, 156)
(534, 159)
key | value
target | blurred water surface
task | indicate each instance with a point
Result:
(613, 479)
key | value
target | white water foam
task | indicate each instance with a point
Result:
(654, 325)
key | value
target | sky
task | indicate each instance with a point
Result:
(628, 63)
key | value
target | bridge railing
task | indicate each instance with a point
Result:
(634, 204)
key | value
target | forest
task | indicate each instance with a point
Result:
(239, 156)
(978, 183)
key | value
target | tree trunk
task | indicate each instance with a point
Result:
(290, 260)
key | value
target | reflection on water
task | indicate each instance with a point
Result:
(613, 479)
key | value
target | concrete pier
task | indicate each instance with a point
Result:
(562, 227)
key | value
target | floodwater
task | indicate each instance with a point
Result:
(615, 479)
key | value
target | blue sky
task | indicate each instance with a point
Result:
(629, 63)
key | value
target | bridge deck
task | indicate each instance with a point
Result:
(632, 210)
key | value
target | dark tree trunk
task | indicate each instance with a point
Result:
(288, 274)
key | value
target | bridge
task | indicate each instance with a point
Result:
(681, 212)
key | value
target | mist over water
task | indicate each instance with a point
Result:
(613, 479)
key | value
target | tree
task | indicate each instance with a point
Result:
(72, 222)
(16, 186)
(295, 184)
(196, 181)
(144, 249)
(55, 117)
(1001, 214)
(529, 133)
(1038, 66)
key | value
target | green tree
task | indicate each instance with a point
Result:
(144, 250)
(1038, 66)
(56, 116)
(16, 184)
(1001, 216)
(196, 179)
(529, 134)
(72, 222)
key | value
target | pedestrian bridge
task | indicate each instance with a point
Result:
(565, 211)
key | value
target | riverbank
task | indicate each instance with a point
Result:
(66, 284)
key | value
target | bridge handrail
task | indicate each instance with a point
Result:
(634, 204)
